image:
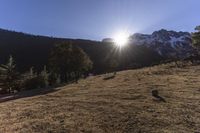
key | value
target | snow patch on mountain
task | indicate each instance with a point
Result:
(170, 44)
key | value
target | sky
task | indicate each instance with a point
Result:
(98, 19)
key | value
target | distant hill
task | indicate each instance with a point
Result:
(31, 50)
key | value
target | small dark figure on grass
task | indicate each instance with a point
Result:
(156, 95)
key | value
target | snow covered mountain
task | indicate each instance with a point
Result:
(170, 44)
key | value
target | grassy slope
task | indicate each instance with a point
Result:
(123, 104)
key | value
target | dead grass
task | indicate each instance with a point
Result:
(120, 105)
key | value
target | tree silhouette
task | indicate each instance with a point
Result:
(45, 75)
(69, 61)
(196, 38)
(9, 76)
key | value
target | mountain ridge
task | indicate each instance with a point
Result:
(166, 43)
(33, 51)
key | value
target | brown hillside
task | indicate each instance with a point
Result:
(122, 104)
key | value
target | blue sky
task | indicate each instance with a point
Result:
(97, 19)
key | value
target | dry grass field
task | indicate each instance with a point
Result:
(122, 104)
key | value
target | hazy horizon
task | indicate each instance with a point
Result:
(96, 20)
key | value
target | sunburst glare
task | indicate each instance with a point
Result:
(121, 38)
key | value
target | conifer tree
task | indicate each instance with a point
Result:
(58, 80)
(196, 38)
(9, 75)
(45, 76)
(31, 73)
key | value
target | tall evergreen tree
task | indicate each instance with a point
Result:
(9, 75)
(45, 75)
(196, 38)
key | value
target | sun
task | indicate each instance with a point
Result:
(121, 39)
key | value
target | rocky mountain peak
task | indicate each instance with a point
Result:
(170, 44)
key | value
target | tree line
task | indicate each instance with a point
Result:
(66, 63)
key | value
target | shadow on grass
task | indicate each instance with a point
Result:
(27, 93)
(34, 92)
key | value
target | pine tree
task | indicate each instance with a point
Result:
(31, 73)
(9, 75)
(45, 76)
(58, 80)
(196, 38)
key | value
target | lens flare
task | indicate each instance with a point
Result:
(121, 39)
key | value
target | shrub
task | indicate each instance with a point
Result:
(34, 83)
